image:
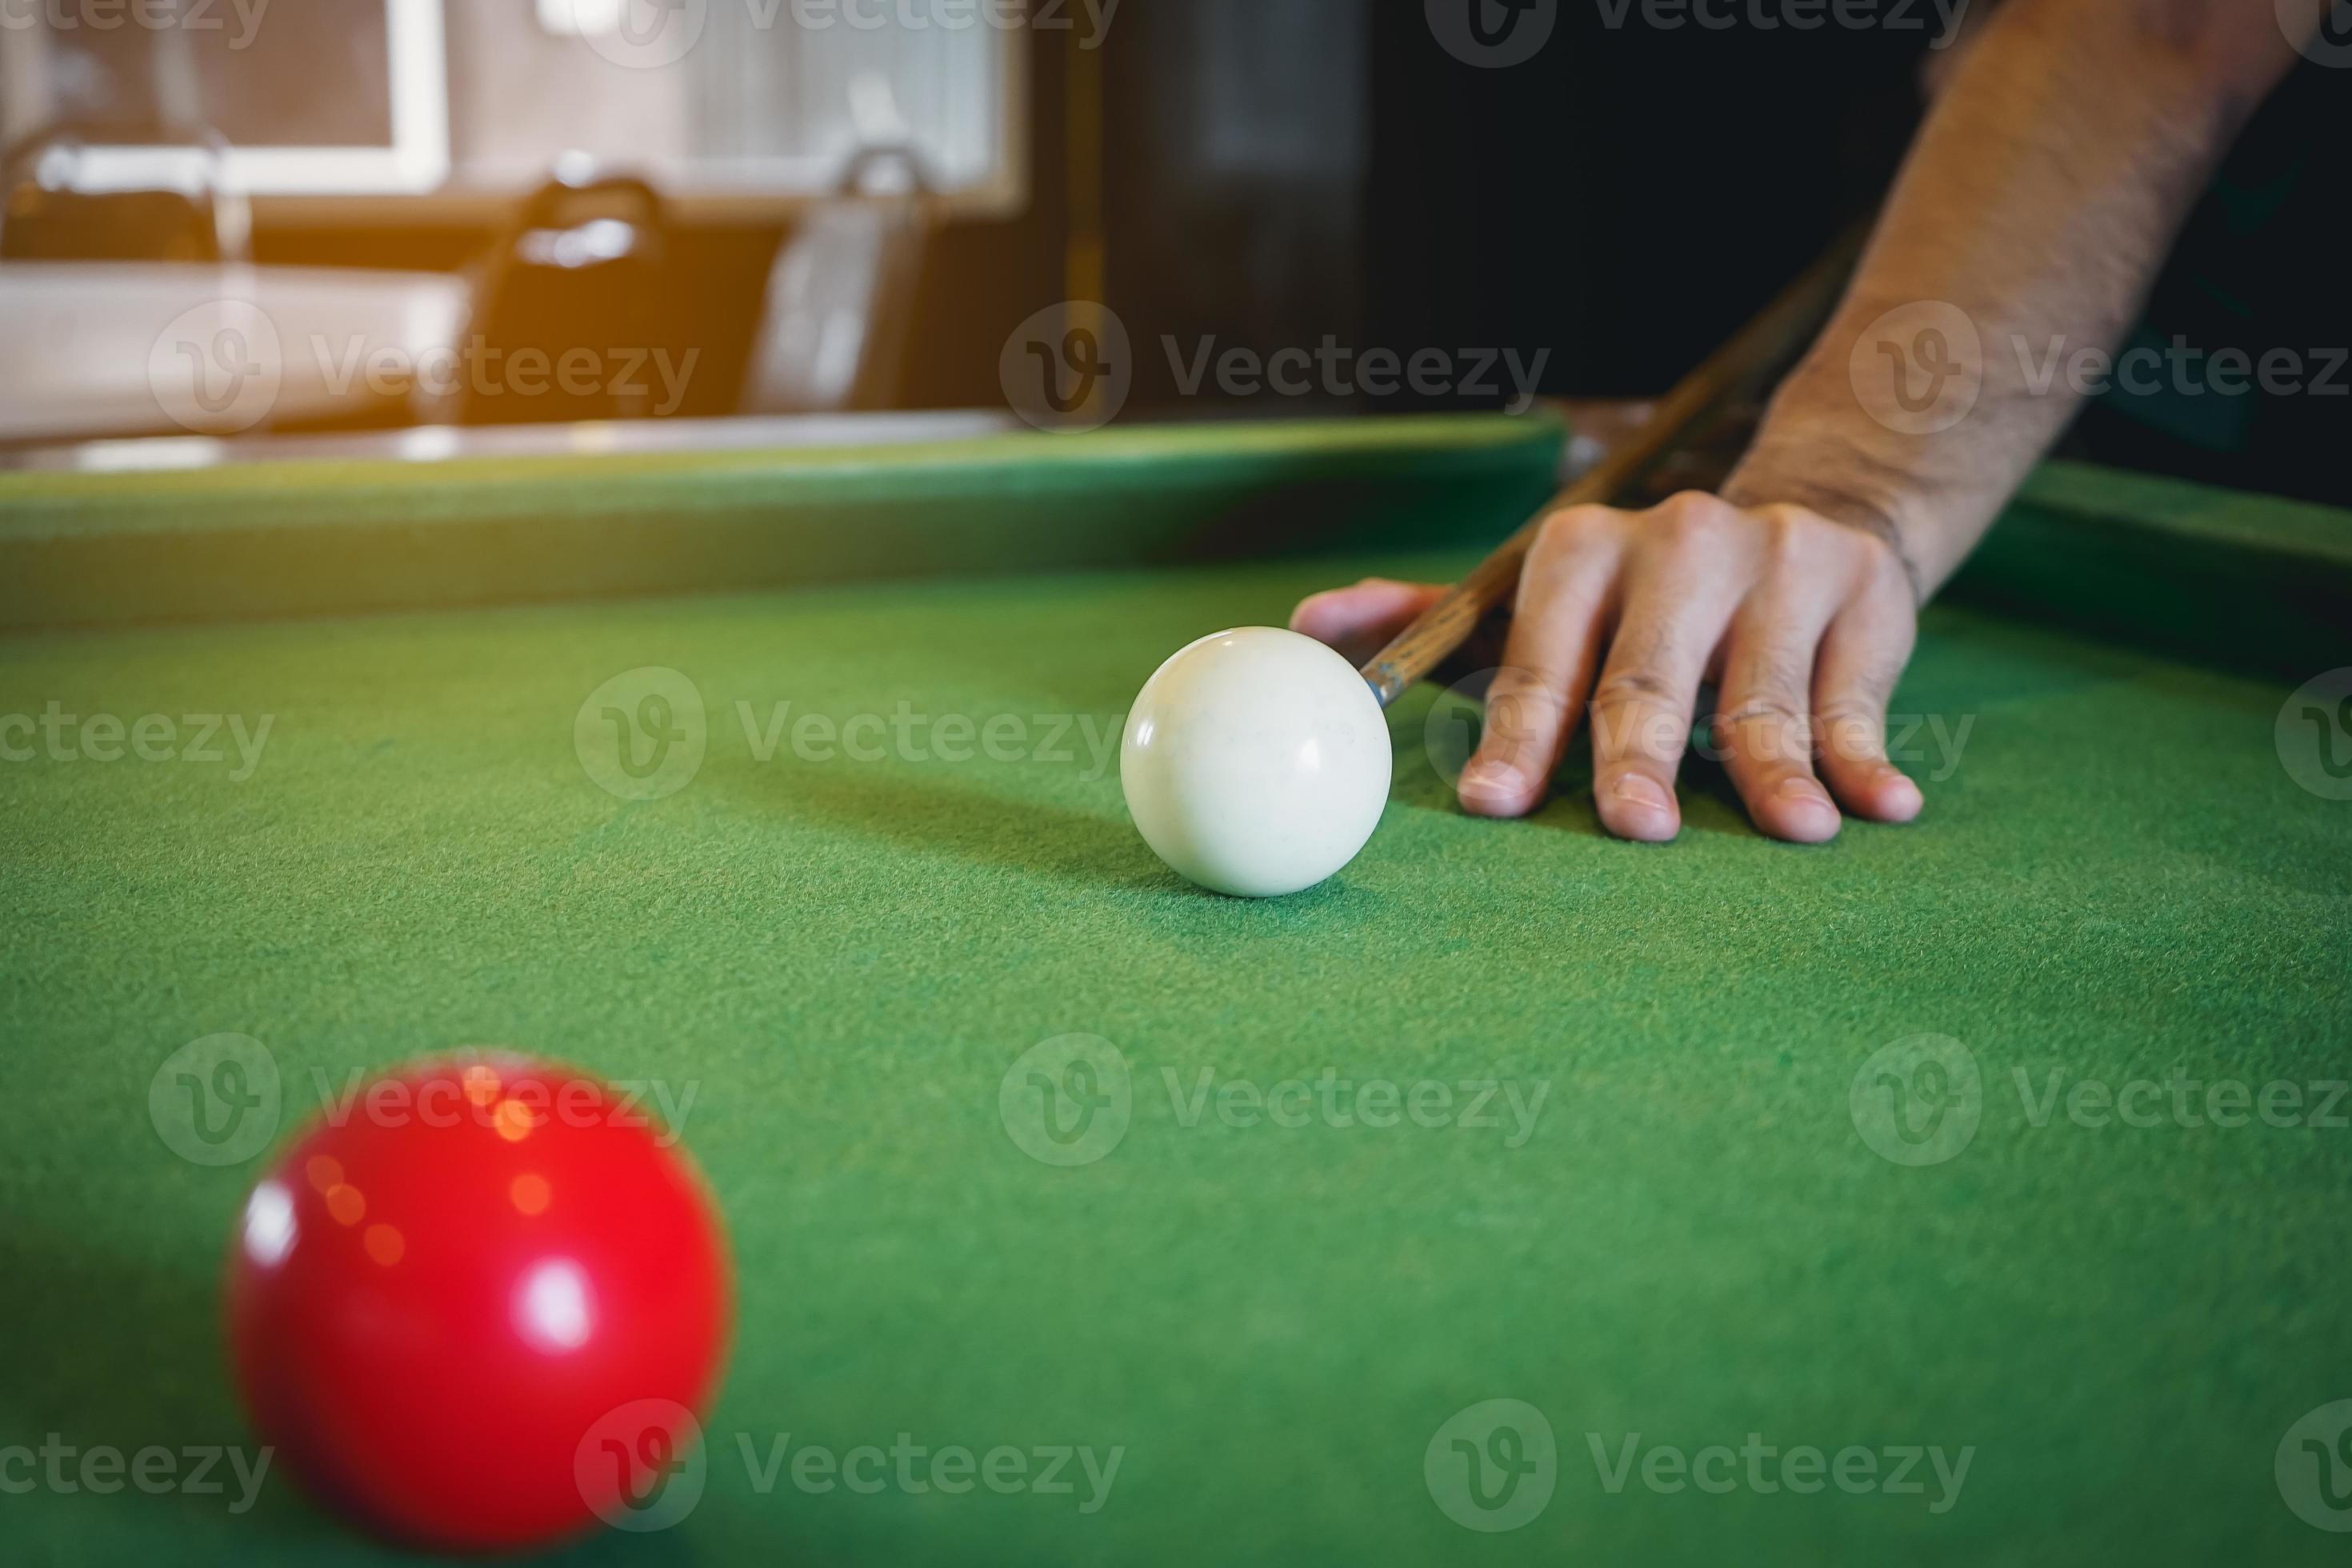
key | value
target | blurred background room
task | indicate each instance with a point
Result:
(846, 209)
(445, 215)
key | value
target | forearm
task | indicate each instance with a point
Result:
(2034, 209)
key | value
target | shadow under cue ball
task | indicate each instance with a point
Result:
(1256, 762)
(483, 1307)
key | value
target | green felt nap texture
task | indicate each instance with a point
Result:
(2117, 880)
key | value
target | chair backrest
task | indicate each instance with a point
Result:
(566, 274)
(50, 211)
(842, 294)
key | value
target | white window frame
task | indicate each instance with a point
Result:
(352, 185)
(415, 163)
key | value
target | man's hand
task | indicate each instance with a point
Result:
(2036, 207)
(1804, 624)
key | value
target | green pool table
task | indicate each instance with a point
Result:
(1969, 1191)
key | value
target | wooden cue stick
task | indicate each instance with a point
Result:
(1744, 357)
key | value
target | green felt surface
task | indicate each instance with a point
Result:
(2119, 880)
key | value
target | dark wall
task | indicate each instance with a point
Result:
(2258, 268)
(1627, 197)
(1238, 134)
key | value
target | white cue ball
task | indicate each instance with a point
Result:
(1256, 762)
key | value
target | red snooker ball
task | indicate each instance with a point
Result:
(481, 1305)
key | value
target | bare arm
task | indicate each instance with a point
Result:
(2037, 205)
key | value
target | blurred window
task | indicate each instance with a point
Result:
(361, 96)
(345, 97)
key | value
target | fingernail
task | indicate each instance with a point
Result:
(1802, 791)
(1901, 792)
(1492, 778)
(1642, 790)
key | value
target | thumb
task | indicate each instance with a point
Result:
(1359, 621)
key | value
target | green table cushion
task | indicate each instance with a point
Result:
(246, 540)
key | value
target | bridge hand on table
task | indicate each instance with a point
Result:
(1803, 624)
